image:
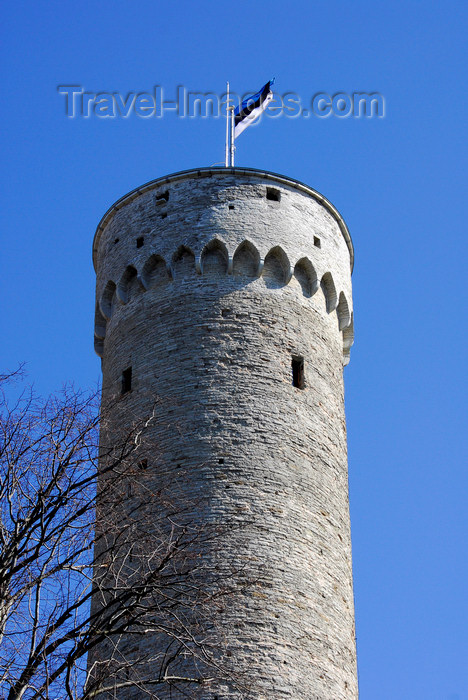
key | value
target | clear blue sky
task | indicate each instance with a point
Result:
(399, 182)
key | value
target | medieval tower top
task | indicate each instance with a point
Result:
(226, 292)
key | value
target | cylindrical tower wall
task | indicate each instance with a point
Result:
(228, 294)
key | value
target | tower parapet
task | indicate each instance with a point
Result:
(143, 238)
(228, 294)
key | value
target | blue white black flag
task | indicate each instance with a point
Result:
(251, 108)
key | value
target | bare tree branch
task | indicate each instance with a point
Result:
(96, 593)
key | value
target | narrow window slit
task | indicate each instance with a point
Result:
(317, 242)
(126, 380)
(298, 378)
(140, 241)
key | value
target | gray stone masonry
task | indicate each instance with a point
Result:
(210, 284)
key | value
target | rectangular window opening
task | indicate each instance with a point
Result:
(298, 377)
(317, 242)
(162, 198)
(231, 206)
(126, 380)
(273, 194)
(140, 241)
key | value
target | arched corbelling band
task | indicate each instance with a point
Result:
(223, 172)
(99, 347)
(99, 324)
(328, 287)
(348, 340)
(183, 262)
(276, 270)
(305, 274)
(108, 300)
(155, 272)
(129, 285)
(342, 311)
(214, 258)
(246, 260)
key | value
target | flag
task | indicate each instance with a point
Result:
(251, 108)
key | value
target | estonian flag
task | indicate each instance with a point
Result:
(251, 108)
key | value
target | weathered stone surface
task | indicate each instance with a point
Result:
(225, 289)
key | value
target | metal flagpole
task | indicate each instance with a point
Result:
(227, 152)
(232, 137)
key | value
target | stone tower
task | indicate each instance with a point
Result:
(226, 294)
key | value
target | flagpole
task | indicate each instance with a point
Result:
(227, 151)
(232, 137)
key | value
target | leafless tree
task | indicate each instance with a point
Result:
(94, 598)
